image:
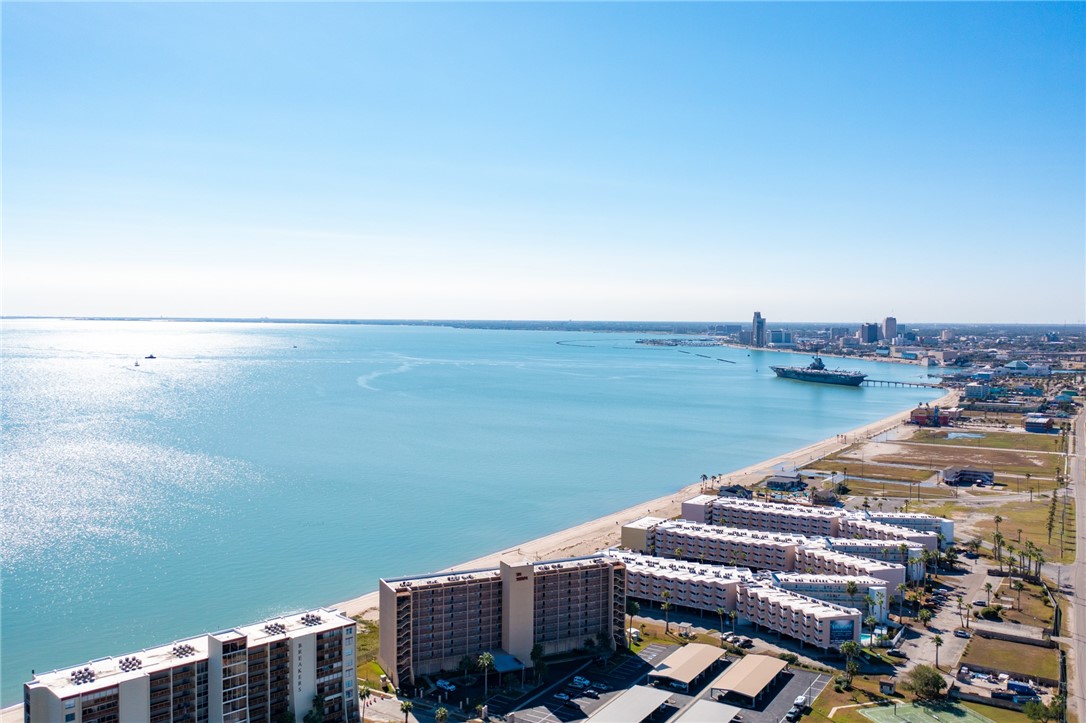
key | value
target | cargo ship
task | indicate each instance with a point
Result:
(816, 371)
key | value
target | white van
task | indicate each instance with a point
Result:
(635, 634)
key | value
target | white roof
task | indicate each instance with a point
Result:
(708, 711)
(633, 706)
(687, 663)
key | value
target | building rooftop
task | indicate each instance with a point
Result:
(862, 563)
(631, 706)
(795, 601)
(699, 529)
(749, 675)
(776, 508)
(692, 570)
(105, 672)
(687, 663)
(803, 577)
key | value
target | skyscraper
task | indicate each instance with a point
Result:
(889, 328)
(757, 330)
(869, 333)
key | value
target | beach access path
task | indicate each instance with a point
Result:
(587, 538)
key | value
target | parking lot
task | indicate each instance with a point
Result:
(546, 708)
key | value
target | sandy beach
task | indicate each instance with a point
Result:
(604, 532)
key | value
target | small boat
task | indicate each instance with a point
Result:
(150, 356)
(137, 363)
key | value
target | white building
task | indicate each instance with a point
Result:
(252, 673)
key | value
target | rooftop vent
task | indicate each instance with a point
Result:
(130, 663)
(275, 628)
(183, 651)
(310, 619)
(83, 675)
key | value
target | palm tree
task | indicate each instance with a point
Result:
(998, 519)
(364, 694)
(734, 616)
(938, 644)
(538, 665)
(901, 588)
(1018, 587)
(850, 649)
(720, 613)
(988, 592)
(870, 622)
(678, 553)
(961, 611)
(666, 606)
(632, 609)
(924, 616)
(851, 588)
(441, 715)
(405, 708)
(485, 662)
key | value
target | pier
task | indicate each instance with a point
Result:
(887, 383)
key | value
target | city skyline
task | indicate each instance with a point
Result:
(648, 162)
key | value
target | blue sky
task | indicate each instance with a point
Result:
(546, 161)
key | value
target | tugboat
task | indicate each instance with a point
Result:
(816, 371)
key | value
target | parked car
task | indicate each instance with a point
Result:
(590, 693)
(579, 684)
(581, 681)
(445, 685)
(896, 653)
(800, 702)
(676, 685)
(962, 634)
(980, 603)
(602, 687)
(793, 714)
(561, 696)
(746, 643)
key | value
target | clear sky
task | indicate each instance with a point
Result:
(546, 161)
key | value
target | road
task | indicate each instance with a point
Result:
(1077, 694)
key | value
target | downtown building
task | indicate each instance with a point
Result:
(429, 622)
(252, 673)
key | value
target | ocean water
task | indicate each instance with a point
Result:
(254, 469)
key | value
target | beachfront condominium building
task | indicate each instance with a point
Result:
(681, 539)
(862, 528)
(277, 668)
(765, 516)
(919, 521)
(757, 330)
(909, 554)
(689, 584)
(867, 594)
(430, 622)
(821, 624)
(817, 560)
(889, 328)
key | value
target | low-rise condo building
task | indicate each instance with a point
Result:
(818, 560)
(919, 521)
(713, 544)
(254, 673)
(690, 584)
(810, 621)
(904, 553)
(771, 517)
(864, 595)
(861, 528)
(429, 622)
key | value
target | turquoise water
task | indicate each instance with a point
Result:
(252, 469)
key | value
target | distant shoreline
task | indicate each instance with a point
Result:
(642, 326)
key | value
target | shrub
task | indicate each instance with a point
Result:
(789, 657)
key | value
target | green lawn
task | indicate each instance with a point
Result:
(1011, 657)
(1032, 520)
(1034, 611)
(998, 715)
(993, 440)
(943, 711)
(878, 471)
(865, 488)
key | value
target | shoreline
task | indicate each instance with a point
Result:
(603, 532)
